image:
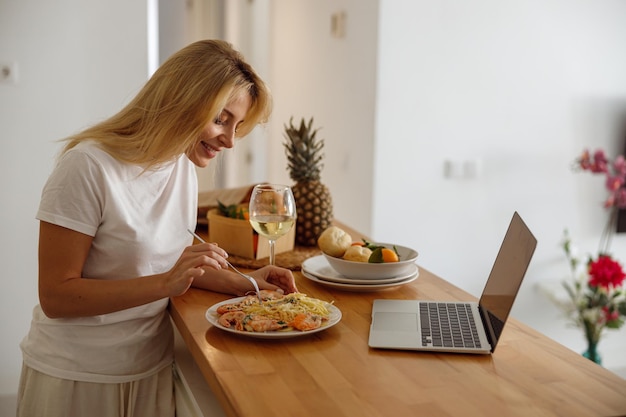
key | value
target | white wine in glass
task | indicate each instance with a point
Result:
(272, 212)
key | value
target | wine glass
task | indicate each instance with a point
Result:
(272, 212)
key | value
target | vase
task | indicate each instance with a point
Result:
(592, 352)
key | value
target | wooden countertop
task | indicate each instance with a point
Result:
(335, 373)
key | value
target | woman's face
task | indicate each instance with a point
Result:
(220, 133)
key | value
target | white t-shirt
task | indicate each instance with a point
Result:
(139, 223)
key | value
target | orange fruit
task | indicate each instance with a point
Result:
(389, 255)
(358, 244)
(383, 255)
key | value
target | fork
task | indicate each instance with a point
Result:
(248, 277)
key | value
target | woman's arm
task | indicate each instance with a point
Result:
(63, 292)
(226, 281)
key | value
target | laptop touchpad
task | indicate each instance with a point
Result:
(395, 322)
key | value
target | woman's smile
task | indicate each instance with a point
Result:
(211, 151)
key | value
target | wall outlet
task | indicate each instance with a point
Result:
(462, 168)
(471, 169)
(8, 72)
(452, 169)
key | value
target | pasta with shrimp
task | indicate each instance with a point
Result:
(294, 311)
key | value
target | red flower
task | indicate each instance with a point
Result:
(605, 272)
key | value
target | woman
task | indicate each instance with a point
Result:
(114, 246)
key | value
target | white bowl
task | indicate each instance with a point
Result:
(365, 270)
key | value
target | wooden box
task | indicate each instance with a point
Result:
(237, 237)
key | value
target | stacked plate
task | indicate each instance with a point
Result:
(317, 269)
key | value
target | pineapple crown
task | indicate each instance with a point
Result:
(303, 150)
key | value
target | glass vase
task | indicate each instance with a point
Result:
(592, 352)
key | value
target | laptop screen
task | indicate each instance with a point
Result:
(506, 277)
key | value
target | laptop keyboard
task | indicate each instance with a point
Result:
(448, 325)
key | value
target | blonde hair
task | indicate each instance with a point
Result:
(187, 92)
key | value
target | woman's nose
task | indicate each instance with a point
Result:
(228, 138)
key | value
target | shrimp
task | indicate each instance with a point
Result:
(249, 322)
(249, 300)
(306, 321)
(258, 323)
(226, 308)
(232, 318)
(269, 295)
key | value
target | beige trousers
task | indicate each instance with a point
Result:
(41, 395)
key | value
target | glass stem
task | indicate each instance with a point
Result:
(271, 251)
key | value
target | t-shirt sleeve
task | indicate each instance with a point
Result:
(73, 196)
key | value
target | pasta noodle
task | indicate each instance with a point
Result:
(288, 307)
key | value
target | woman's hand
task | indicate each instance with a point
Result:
(274, 278)
(192, 264)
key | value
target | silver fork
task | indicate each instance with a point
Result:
(248, 277)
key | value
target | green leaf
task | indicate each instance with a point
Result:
(222, 208)
(371, 246)
(615, 324)
(377, 256)
(232, 211)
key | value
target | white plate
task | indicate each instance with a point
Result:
(212, 316)
(319, 266)
(359, 287)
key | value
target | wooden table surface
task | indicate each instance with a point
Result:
(335, 373)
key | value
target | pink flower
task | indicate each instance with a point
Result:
(605, 273)
(619, 165)
(597, 164)
(615, 181)
(600, 163)
(610, 201)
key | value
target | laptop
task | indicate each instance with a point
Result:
(453, 326)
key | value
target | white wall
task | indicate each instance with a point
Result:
(512, 84)
(78, 63)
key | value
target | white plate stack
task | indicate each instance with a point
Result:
(317, 269)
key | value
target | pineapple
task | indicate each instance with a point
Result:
(313, 200)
